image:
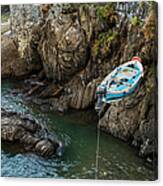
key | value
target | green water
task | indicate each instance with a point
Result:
(78, 132)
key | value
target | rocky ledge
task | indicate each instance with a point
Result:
(27, 132)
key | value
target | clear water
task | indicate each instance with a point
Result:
(78, 132)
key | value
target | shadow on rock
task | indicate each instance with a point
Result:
(34, 137)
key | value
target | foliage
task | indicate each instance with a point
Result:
(103, 43)
(4, 17)
(103, 11)
(135, 21)
(96, 47)
(106, 13)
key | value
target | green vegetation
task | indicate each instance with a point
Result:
(4, 17)
(104, 11)
(135, 21)
(103, 42)
(106, 38)
(107, 14)
(111, 36)
(108, 17)
(96, 47)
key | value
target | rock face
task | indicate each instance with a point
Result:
(19, 49)
(78, 45)
(25, 23)
(134, 118)
(63, 45)
(12, 65)
(32, 136)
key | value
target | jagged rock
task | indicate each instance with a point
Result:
(134, 121)
(16, 128)
(64, 43)
(11, 63)
(83, 96)
(19, 48)
(25, 27)
(118, 118)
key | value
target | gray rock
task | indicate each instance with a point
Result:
(33, 136)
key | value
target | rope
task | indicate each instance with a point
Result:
(97, 152)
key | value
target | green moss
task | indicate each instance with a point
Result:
(96, 48)
(102, 37)
(135, 21)
(108, 17)
(107, 37)
(111, 36)
(102, 44)
(104, 11)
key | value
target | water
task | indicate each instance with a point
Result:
(117, 160)
(97, 152)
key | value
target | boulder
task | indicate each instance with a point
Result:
(34, 137)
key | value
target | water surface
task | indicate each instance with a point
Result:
(78, 132)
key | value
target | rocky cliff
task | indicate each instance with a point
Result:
(77, 45)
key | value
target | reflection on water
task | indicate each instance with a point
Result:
(117, 160)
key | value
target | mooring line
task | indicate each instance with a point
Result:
(97, 153)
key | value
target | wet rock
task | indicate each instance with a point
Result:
(45, 148)
(27, 132)
(117, 120)
(45, 108)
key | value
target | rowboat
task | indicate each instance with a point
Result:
(121, 82)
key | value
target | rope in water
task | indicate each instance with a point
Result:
(97, 152)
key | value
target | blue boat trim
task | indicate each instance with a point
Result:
(120, 83)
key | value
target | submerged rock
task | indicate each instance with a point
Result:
(34, 137)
